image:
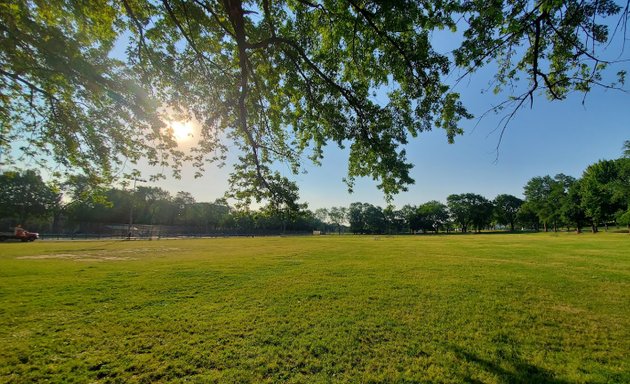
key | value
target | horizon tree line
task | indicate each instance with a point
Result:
(601, 197)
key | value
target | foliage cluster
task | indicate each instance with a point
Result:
(275, 81)
(600, 197)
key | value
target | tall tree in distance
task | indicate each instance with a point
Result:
(598, 190)
(572, 210)
(527, 217)
(337, 216)
(433, 214)
(538, 193)
(24, 196)
(411, 218)
(506, 209)
(621, 189)
(470, 209)
(356, 218)
(275, 80)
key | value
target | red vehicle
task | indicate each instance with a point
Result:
(19, 234)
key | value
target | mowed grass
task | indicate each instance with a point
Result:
(538, 308)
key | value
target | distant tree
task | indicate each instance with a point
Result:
(304, 220)
(394, 219)
(113, 208)
(337, 216)
(459, 210)
(410, 217)
(150, 204)
(323, 216)
(374, 219)
(599, 187)
(433, 215)
(544, 195)
(559, 191)
(626, 149)
(506, 209)
(572, 210)
(184, 205)
(482, 209)
(356, 218)
(527, 217)
(366, 218)
(621, 190)
(624, 218)
(210, 216)
(243, 220)
(422, 220)
(470, 209)
(268, 218)
(24, 195)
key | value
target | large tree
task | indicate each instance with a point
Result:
(470, 209)
(572, 210)
(506, 209)
(600, 191)
(433, 215)
(276, 78)
(24, 196)
(545, 195)
(622, 189)
(337, 216)
(356, 218)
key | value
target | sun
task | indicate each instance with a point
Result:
(182, 130)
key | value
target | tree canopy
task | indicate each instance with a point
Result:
(24, 195)
(274, 80)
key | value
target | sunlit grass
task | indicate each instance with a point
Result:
(477, 308)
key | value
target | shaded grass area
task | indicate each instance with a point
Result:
(418, 309)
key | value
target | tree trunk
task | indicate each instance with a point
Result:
(593, 228)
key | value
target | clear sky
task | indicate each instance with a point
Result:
(553, 137)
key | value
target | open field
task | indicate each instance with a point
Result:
(538, 308)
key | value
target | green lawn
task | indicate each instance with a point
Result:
(538, 308)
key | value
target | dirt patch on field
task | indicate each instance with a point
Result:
(100, 255)
(567, 309)
(76, 257)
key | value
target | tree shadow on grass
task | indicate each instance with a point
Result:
(522, 373)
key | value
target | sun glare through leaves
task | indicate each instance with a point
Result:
(182, 131)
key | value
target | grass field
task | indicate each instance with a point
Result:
(538, 308)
